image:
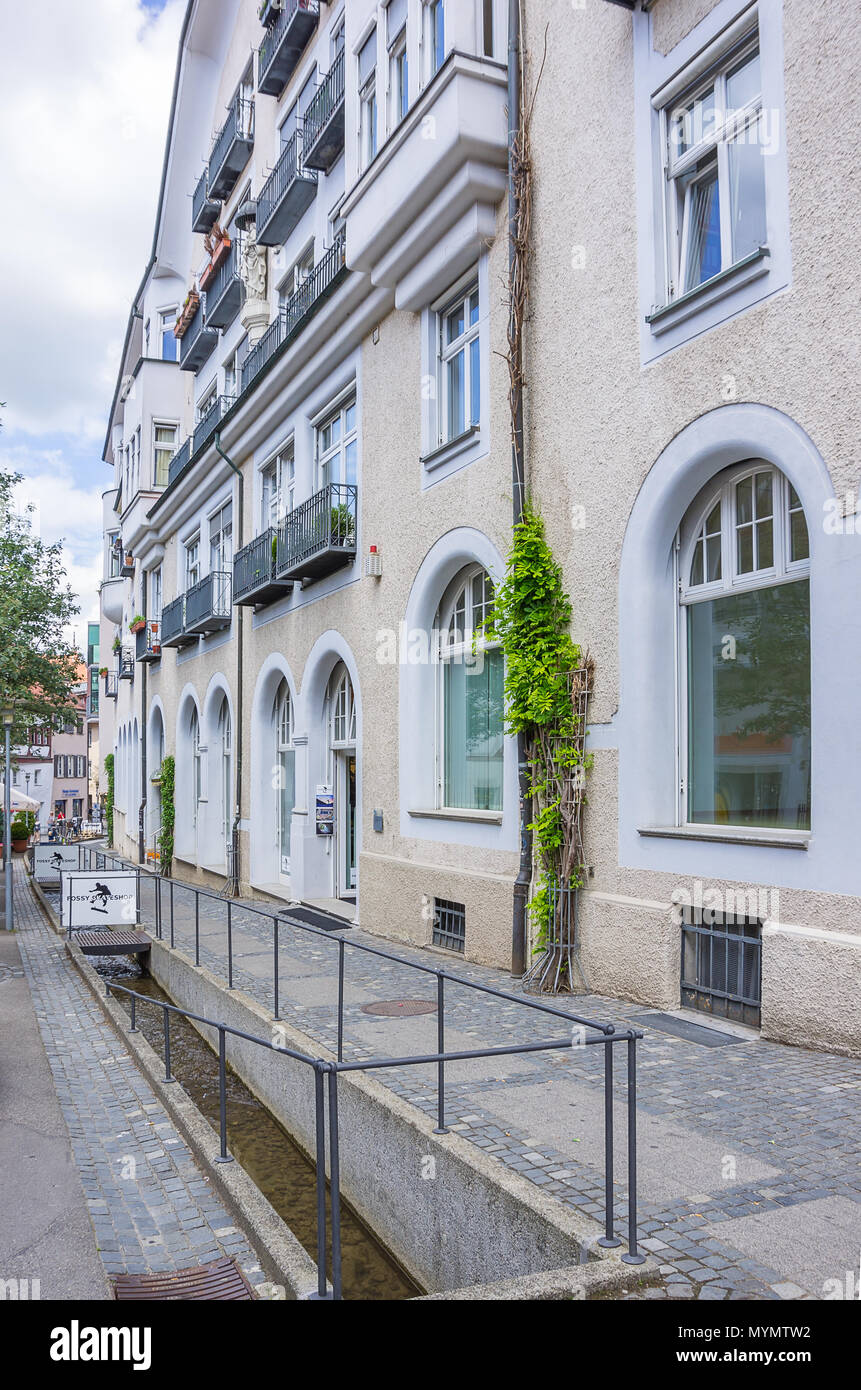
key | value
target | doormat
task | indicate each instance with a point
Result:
(691, 1032)
(311, 917)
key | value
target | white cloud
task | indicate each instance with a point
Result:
(84, 102)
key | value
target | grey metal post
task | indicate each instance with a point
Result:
(632, 1256)
(166, 1017)
(340, 999)
(609, 1239)
(275, 967)
(440, 1039)
(229, 947)
(224, 1156)
(321, 1179)
(171, 913)
(197, 929)
(335, 1183)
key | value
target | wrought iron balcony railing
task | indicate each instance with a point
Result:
(299, 308)
(148, 642)
(324, 119)
(179, 460)
(232, 149)
(319, 536)
(173, 633)
(204, 210)
(126, 668)
(283, 42)
(208, 604)
(93, 704)
(255, 581)
(224, 296)
(112, 685)
(286, 195)
(197, 342)
(208, 423)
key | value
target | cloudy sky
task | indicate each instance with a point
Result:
(85, 93)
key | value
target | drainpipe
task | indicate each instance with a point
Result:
(240, 524)
(142, 806)
(518, 478)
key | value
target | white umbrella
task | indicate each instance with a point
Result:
(20, 802)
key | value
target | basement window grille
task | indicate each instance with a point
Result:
(722, 965)
(449, 924)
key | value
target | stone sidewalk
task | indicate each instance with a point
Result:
(139, 1203)
(750, 1180)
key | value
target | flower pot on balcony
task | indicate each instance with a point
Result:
(138, 625)
(103, 670)
(190, 307)
(218, 245)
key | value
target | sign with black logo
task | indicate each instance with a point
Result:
(95, 900)
(49, 861)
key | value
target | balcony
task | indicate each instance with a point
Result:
(173, 633)
(300, 307)
(112, 685)
(93, 704)
(224, 296)
(126, 667)
(319, 536)
(148, 643)
(255, 581)
(208, 423)
(232, 149)
(207, 604)
(179, 460)
(204, 210)
(197, 342)
(285, 196)
(324, 120)
(283, 43)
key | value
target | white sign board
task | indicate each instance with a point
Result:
(98, 900)
(49, 861)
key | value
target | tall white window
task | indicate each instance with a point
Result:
(221, 540)
(470, 741)
(278, 488)
(285, 761)
(155, 594)
(164, 448)
(433, 37)
(169, 348)
(368, 100)
(459, 364)
(196, 768)
(192, 562)
(337, 446)
(744, 636)
(399, 98)
(225, 753)
(715, 170)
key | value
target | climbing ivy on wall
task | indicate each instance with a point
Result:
(168, 815)
(544, 670)
(109, 800)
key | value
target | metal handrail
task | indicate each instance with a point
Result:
(253, 564)
(603, 1034)
(238, 126)
(226, 272)
(179, 460)
(271, 41)
(297, 309)
(208, 598)
(199, 196)
(192, 333)
(326, 100)
(172, 619)
(288, 168)
(208, 423)
(327, 520)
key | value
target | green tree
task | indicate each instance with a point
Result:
(37, 670)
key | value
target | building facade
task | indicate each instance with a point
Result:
(312, 498)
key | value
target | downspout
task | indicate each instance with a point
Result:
(143, 801)
(518, 477)
(240, 526)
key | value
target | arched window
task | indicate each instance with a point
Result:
(285, 763)
(470, 734)
(744, 637)
(343, 731)
(225, 779)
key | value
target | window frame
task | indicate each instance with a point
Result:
(445, 651)
(189, 546)
(447, 352)
(323, 458)
(784, 570)
(166, 323)
(158, 448)
(397, 55)
(433, 39)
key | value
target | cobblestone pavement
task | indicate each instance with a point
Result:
(750, 1180)
(151, 1207)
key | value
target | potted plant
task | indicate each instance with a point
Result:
(217, 243)
(137, 624)
(190, 306)
(103, 670)
(20, 832)
(117, 644)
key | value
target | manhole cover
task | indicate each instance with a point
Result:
(219, 1282)
(400, 1008)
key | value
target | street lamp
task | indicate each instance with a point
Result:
(8, 717)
